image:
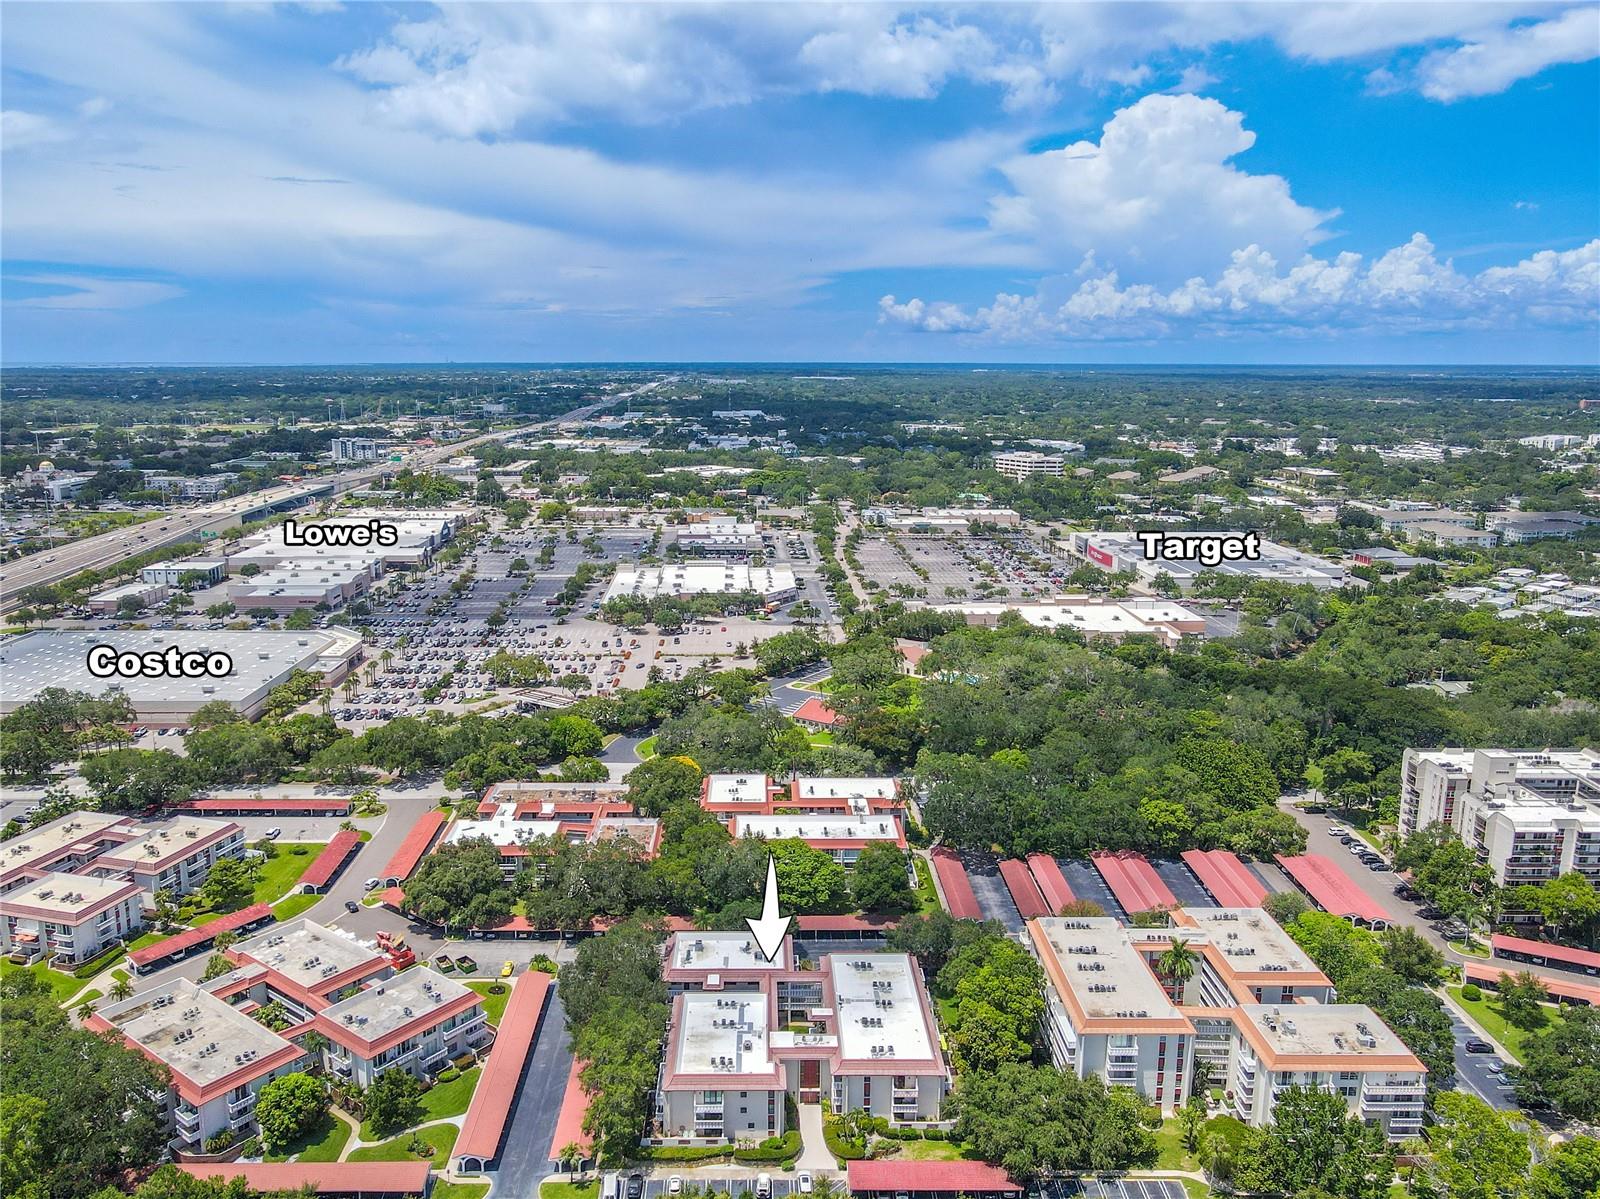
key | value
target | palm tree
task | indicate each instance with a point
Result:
(386, 657)
(325, 701)
(1176, 966)
(572, 1154)
(350, 686)
(121, 989)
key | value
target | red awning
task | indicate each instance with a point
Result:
(959, 897)
(898, 1174)
(1024, 891)
(1133, 881)
(1584, 958)
(417, 842)
(486, 1117)
(1331, 889)
(569, 1121)
(193, 938)
(333, 855)
(1051, 882)
(1228, 879)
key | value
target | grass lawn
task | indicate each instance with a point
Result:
(276, 878)
(87, 997)
(1487, 1013)
(494, 1006)
(120, 975)
(927, 896)
(442, 1137)
(62, 986)
(323, 1143)
(822, 738)
(932, 1151)
(568, 1190)
(646, 748)
(144, 939)
(288, 909)
(445, 1189)
(1169, 1140)
(441, 1102)
(1196, 1188)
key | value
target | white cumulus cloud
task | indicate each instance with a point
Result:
(1157, 191)
(1407, 288)
(1495, 61)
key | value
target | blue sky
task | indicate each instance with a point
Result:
(1145, 182)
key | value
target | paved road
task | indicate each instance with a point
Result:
(1474, 1071)
(622, 755)
(524, 1154)
(991, 891)
(786, 690)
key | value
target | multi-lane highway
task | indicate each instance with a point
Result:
(96, 553)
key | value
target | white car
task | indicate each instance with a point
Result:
(803, 1183)
(675, 1185)
(370, 885)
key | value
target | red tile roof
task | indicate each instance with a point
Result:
(1228, 879)
(364, 1178)
(953, 1177)
(1024, 891)
(1330, 888)
(569, 1121)
(959, 898)
(266, 807)
(1559, 988)
(1544, 949)
(486, 1117)
(1133, 881)
(332, 857)
(191, 938)
(1051, 882)
(817, 712)
(844, 924)
(414, 846)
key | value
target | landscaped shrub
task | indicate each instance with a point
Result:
(218, 1143)
(1471, 993)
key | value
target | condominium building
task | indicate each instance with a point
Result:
(69, 918)
(355, 449)
(416, 1021)
(1530, 815)
(1024, 464)
(1256, 1016)
(217, 1056)
(729, 795)
(840, 837)
(746, 1034)
(177, 856)
(518, 828)
(67, 843)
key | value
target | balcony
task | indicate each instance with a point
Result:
(236, 1106)
(188, 1120)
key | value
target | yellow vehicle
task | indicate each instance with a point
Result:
(508, 970)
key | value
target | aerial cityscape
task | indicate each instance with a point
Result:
(757, 602)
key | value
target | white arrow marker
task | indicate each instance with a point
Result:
(769, 931)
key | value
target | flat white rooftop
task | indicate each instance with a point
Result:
(307, 953)
(1251, 940)
(736, 788)
(503, 828)
(878, 1007)
(698, 578)
(721, 951)
(818, 828)
(857, 787)
(1107, 975)
(67, 896)
(1345, 1030)
(175, 838)
(59, 658)
(392, 1003)
(50, 840)
(723, 1034)
(202, 1038)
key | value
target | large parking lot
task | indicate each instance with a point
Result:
(941, 567)
(433, 633)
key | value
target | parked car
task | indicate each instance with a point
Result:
(763, 1186)
(370, 885)
(351, 906)
(1478, 1045)
(675, 1185)
(508, 970)
(803, 1183)
(635, 1186)
(272, 834)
